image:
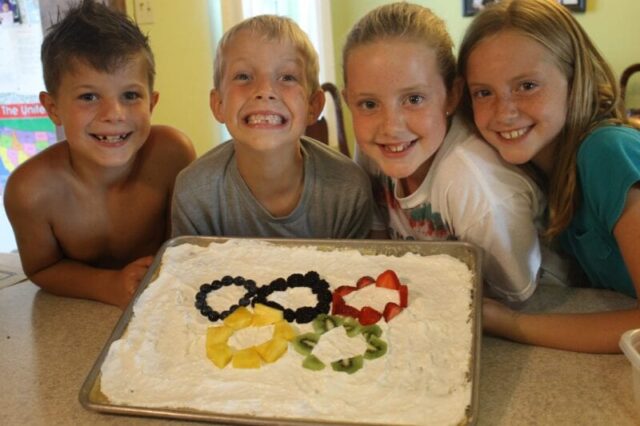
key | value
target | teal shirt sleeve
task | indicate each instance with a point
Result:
(608, 165)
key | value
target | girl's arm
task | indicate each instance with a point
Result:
(593, 332)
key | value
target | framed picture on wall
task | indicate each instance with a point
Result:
(471, 7)
(575, 5)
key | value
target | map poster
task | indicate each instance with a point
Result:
(25, 128)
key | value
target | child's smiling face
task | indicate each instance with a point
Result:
(263, 97)
(106, 115)
(519, 97)
(399, 103)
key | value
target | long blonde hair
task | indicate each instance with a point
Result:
(594, 94)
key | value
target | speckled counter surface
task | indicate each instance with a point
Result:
(48, 345)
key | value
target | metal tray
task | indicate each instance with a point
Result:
(92, 398)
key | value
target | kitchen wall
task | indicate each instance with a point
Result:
(181, 39)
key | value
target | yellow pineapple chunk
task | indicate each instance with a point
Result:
(246, 358)
(283, 329)
(240, 318)
(218, 334)
(265, 315)
(220, 354)
(273, 349)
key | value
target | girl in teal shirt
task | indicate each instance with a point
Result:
(541, 94)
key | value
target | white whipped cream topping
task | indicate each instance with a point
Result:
(250, 336)
(336, 345)
(375, 297)
(423, 379)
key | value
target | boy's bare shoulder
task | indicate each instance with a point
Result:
(41, 176)
(170, 143)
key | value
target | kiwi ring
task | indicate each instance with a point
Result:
(206, 310)
(304, 314)
(372, 334)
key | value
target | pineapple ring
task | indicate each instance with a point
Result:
(221, 353)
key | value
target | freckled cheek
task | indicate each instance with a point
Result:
(364, 128)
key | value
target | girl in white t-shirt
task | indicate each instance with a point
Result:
(433, 178)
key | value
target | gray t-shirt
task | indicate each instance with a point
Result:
(211, 198)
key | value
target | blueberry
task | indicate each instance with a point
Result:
(324, 297)
(205, 288)
(215, 285)
(244, 301)
(323, 308)
(311, 277)
(306, 314)
(213, 316)
(250, 285)
(278, 285)
(295, 280)
(227, 280)
(239, 280)
(274, 305)
(323, 285)
(289, 315)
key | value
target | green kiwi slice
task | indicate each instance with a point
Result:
(371, 330)
(348, 365)
(312, 362)
(304, 343)
(352, 326)
(376, 347)
(323, 323)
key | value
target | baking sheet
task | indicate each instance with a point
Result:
(92, 398)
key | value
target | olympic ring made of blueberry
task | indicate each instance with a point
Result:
(201, 296)
(304, 314)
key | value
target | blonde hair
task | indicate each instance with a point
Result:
(408, 22)
(272, 27)
(593, 96)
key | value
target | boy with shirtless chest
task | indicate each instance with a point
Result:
(90, 212)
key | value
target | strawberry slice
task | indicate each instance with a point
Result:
(388, 279)
(343, 290)
(391, 310)
(403, 290)
(369, 316)
(365, 281)
(340, 307)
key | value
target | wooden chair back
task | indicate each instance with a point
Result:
(320, 130)
(624, 80)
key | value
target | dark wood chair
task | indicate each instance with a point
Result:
(624, 79)
(320, 130)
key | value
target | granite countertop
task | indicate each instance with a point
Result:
(49, 344)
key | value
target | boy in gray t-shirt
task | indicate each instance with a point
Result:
(269, 180)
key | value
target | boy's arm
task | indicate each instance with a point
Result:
(43, 260)
(180, 153)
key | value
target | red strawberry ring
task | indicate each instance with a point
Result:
(368, 315)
